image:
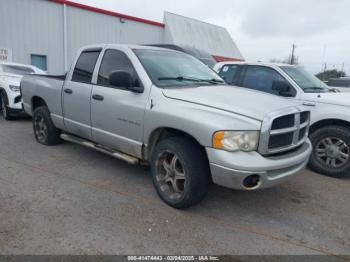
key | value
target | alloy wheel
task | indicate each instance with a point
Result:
(333, 152)
(41, 131)
(170, 175)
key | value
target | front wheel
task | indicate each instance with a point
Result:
(331, 151)
(180, 172)
(44, 130)
(4, 107)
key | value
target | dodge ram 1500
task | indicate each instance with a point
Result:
(167, 109)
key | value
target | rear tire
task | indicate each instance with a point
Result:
(180, 172)
(331, 151)
(44, 130)
(5, 112)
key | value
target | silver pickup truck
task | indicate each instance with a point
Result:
(165, 108)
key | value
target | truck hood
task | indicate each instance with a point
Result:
(340, 99)
(243, 101)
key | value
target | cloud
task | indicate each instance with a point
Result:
(271, 18)
(263, 29)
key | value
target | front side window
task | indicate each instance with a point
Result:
(17, 70)
(305, 80)
(175, 69)
(114, 60)
(228, 73)
(85, 67)
(262, 78)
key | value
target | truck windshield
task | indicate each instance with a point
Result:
(308, 82)
(17, 70)
(175, 69)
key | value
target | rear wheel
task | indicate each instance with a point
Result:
(180, 172)
(5, 112)
(44, 130)
(331, 151)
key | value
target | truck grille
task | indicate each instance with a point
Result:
(285, 132)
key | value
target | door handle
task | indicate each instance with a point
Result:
(98, 97)
(68, 91)
(309, 104)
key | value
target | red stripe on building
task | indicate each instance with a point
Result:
(224, 59)
(110, 13)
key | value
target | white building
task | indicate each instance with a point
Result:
(48, 33)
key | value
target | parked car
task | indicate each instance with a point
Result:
(330, 110)
(202, 55)
(10, 77)
(342, 84)
(167, 109)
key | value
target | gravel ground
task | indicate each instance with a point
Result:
(69, 199)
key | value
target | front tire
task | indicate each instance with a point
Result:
(180, 172)
(5, 112)
(44, 130)
(331, 151)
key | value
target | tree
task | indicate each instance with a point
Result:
(286, 60)
(328, 74)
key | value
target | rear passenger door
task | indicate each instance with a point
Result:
(77, 95)
(116, 112)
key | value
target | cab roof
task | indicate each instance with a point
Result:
(126, 46)
(252, 63)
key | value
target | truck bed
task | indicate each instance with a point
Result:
(46, 87)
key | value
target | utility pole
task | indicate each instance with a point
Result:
(324, 56)
(324, 72)
(292, 59)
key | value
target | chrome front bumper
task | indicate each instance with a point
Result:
(230, 169)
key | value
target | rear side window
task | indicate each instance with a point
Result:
(114, 60)
(85, 67)
(228, 73)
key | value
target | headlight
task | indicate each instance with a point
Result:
(236, 140)
(14, 88)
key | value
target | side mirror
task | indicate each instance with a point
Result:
(124, 79)
(282, 87)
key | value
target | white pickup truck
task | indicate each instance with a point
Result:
(330, 110)
(166, 108)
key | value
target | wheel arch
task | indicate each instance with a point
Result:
(2, 90)
(161, 133)
(37, 101)
(329, 122)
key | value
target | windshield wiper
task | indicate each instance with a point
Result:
(334, 90)
(216, 81)
(192, 79)
(314, 88)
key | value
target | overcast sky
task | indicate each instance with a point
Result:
(263, 29)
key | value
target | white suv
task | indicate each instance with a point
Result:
(330, 110)
(10, 78)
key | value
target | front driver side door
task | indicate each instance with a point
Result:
(117, 113)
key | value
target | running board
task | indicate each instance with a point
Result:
(127, 158)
